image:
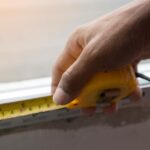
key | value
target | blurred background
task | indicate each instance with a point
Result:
(34, 32)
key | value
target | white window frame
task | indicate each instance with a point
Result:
(30, 89)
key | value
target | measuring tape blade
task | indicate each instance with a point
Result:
(24, 108)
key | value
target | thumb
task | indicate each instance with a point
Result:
(73, 80)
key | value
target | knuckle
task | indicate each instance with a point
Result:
(79, 30)
(78, 35)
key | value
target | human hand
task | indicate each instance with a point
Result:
(108, 43)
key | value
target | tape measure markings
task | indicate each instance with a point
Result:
(23, 108)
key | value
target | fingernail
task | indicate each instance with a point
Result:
(60, 97)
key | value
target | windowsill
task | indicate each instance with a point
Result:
(29, 89)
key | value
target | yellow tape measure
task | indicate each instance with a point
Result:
(123, 80)
(23, 108)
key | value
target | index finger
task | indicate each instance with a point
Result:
(65, 60)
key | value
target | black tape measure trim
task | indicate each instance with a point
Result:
(142, 76)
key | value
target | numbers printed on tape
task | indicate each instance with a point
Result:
(23, 108)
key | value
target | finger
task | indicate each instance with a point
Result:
(59, 68)
(74, 79)
(65, 60)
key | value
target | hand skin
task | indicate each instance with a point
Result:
(108, 43)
